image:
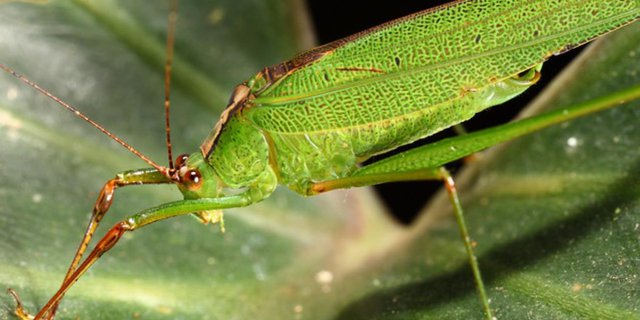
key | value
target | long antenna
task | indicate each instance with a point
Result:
(171, 30)
(75, 111)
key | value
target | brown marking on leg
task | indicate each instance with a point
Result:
(105, 244)
(100, 208)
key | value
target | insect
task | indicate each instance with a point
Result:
(216, 141)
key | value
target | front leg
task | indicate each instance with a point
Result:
(100, 208)
(165, 211)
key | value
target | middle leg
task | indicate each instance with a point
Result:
(426, 174)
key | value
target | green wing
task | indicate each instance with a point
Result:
(428, 61)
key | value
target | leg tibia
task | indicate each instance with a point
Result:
(376, 176)
(105, 199)
(100, 208)
(141, 219)
(466, 239)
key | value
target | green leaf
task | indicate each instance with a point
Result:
(556, 219)
(107, 59)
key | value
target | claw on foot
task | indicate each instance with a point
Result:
(19, 310)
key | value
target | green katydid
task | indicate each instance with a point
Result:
(275, 154)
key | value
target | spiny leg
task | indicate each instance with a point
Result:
(425, 174)
(100, 208)
(165, 211)
(464, 234)
(106, 243)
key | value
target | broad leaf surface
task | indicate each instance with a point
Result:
(106, 58)
(555, 214)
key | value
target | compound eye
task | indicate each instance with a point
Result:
(192, 178)
(181, 160)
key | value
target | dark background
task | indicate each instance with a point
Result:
(337, 19)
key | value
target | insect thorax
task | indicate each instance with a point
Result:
(241, 153)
